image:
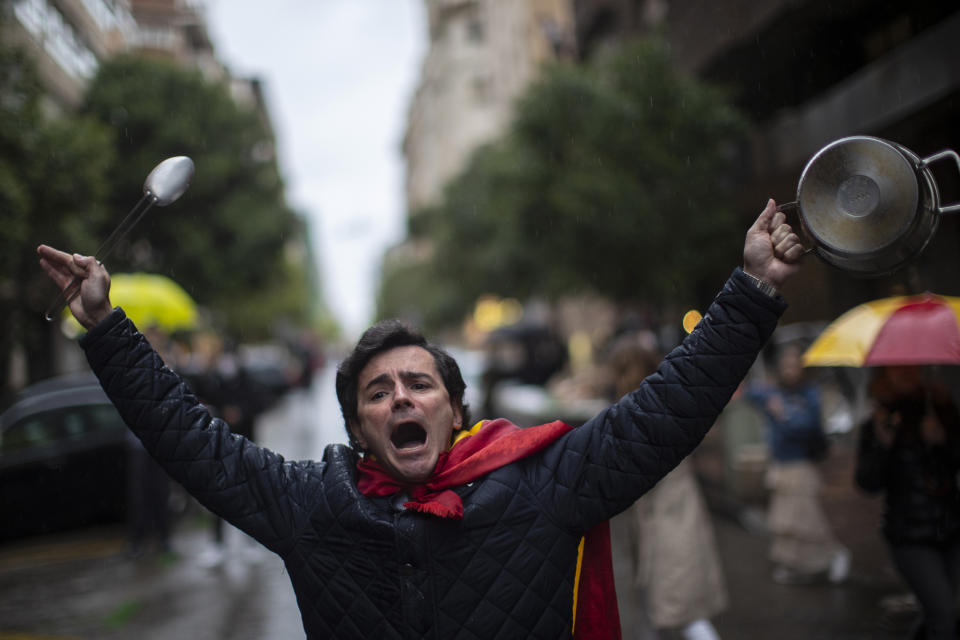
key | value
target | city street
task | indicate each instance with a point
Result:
(83, 585)
(871, 604)
(559, 188)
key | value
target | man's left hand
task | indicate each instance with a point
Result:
(772, 250)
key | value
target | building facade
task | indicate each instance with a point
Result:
(481, 55)
(807, 73)
(67, 39)
(177, 30)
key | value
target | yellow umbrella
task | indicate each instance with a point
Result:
(152, 300)
(919, 329)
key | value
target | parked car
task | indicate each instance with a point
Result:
(63, 458)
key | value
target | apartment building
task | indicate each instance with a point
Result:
(177, 30)
(809, 72)
(67, 39)
(481, 55)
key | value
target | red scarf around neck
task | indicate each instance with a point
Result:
(489, 446)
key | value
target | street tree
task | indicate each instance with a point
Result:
(228, 240)
(614, 178)
(53, 188)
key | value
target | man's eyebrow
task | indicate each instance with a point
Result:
(406, 375)
(415, 375)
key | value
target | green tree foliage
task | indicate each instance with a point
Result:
(226, 239)
(53, 184)
(614, 178)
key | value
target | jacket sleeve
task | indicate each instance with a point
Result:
(600, 468)
(251, 487)
(949, 416)
(873, 460)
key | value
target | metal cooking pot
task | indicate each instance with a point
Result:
(868, 205)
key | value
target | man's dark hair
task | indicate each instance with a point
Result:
(383, 336)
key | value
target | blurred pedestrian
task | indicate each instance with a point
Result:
(148, 496)
(909, 450)
(218, 377)
(148, 485)
(803, 548)
(678, 565)
(427, 526)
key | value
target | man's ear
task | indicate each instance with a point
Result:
(357, 434)
(458, 417)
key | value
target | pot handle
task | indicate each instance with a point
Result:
(946, 153)
(795, 220)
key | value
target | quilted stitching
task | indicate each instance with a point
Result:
(362, 570)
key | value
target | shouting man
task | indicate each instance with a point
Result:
(427, 526)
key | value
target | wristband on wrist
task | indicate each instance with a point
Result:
(763, 285)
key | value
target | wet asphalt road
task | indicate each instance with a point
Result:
(98, 592)
(84, 586)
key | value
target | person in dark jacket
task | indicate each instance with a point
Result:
(427, 527)
(909, 449)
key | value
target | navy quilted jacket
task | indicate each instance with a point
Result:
(363, 568)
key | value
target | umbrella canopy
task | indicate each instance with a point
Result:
(152, 300)
(903, 330)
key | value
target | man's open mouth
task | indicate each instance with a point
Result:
(408, 435)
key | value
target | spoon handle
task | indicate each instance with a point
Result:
(63, 299)
(129, 221)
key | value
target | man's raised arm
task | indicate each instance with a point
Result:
(597, 470)
(251, 487)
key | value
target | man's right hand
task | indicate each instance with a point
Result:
(772, 251)
(93, 302)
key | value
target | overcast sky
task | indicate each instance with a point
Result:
(338, 76)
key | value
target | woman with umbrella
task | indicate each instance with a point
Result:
(910, 450)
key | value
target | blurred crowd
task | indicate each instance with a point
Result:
(901, 423)
(236, 383)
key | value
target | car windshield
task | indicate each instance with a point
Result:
(59, 424)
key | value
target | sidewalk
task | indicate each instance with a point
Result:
(84, 585)
(872, 603)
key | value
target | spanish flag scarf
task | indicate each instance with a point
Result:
(488, 446)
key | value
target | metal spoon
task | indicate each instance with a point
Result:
(163, 185)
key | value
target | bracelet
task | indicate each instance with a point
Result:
(764, 286)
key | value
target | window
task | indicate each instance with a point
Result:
(75, 422)
(31, 431)
(103, 417)
(482, 88)
(476, 31)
